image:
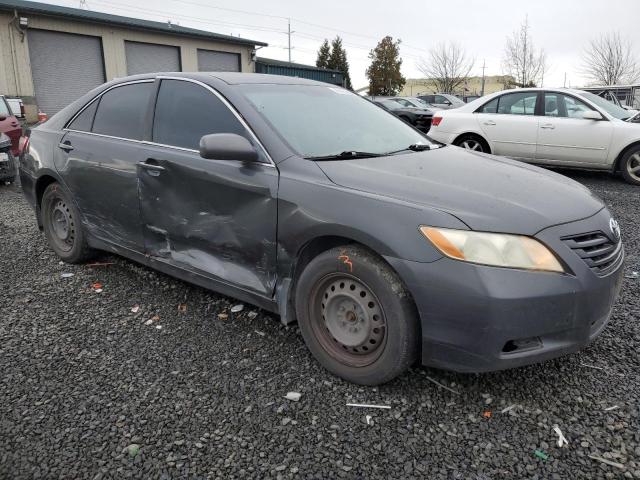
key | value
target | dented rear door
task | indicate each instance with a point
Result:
(216, 218)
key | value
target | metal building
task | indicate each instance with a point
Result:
(51, 55)
(279, 67)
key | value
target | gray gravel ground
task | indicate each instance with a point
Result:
(84, 378)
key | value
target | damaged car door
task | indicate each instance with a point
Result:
(216, 218)
(98, 157)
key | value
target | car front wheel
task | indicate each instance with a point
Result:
(631, 166)
(356, 316)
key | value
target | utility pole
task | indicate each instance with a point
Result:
(289, 35)
(565, 79)
(484, 65)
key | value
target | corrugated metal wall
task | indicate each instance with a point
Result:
(149, 57)
(64, 66)
(212, 61)
(293, 71)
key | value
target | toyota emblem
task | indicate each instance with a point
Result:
(615, 228)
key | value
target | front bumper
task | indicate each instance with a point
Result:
(476, 318)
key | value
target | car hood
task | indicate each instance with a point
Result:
(487, 193)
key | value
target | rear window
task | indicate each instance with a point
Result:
(122, 110)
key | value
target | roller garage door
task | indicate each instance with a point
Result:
(64, 67)
(212, 61)
(151, 57)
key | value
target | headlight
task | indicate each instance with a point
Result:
(496, 249)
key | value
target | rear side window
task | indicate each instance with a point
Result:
(84, 121)
(489, 107)
(522, 103)
(185, 112)
(122, 111)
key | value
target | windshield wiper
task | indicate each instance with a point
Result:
(346, 155)
(414, 147)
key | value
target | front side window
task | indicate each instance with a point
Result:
(441, 99)
(563, 106)
(575, 108)
(521, 103)
(122, 110)
(185, 112)
(321, 121)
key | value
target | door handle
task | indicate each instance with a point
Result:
(489, 122)
(548, 126)
(152, 168)
(66, 146)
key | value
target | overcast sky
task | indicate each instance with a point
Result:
(561, 27)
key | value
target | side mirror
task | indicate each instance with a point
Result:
(592, 115)
(227, 146)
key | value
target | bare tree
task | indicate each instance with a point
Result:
(447, 66)
(521, 58)
(609, 60)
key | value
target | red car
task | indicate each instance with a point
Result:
(10, 125)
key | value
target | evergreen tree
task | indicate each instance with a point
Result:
(384, 72)
(323, 55)
(338, 60)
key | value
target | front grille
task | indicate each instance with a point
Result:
(598, 251)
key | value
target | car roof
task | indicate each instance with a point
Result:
(230, 78)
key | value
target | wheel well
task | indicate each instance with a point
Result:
(41, 185)
(476, 135)
(616, 164)
(314, 248)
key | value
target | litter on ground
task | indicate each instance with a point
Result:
(67, 275)
(361, 405)
(541, 455)
(432, 380)
(608, 409)
(237, 308)
(562, 441)
(608, 462)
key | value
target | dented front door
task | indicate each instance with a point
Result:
(213, 217)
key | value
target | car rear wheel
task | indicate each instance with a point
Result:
(472, 142)
(356, 316)
(62, 226)
(631, 165)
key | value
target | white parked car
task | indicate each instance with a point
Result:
(555, 127)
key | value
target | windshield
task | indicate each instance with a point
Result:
(320, 121)
(606, 105)
(454, 100)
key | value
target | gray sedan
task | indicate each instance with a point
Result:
(306, 200)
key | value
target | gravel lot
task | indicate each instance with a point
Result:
(89, 389)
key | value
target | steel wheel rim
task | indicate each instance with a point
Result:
(472, 144)
(348, 320)
(633, 166)
(62, 225)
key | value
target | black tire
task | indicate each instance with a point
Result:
(359, 347)
(629, 162)
(465, 140)
(62, 225)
